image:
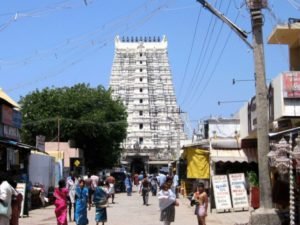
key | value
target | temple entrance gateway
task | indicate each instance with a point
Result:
(137, 165)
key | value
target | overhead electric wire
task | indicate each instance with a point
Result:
(203, 73)
(181, 8)
(66, 64)
(217, 61)
(295, 4)
(198, 62)
(70, 42)
(76, 121)
(190, 53)
(202, 55)
(39, 12)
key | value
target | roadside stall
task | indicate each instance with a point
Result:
(197, 168)
(230, 165)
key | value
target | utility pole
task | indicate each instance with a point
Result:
(265, 215)
(58, 133)
(261, 103)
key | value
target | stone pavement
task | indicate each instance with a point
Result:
(130, 211)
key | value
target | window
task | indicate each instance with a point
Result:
(141, 100)
(141, 70)
(141, 126)
(141, 54)
(141, 62)
(141, 113)
(141, 79)
(141, 140)
(141, 89)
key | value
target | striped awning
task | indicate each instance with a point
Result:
(234, 155)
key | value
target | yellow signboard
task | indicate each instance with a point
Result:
(77, 163)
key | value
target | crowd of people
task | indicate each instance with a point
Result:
(167, 194)
(74, 196)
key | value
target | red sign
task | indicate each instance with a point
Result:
(7, 115)
(291, 85)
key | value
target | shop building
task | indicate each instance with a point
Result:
(217, 151)
(13, 154)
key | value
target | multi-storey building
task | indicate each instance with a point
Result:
(141, 78)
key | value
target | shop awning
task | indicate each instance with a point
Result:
(20, 145)
(234, 155)
(197, 163)
(158, 162)
(285, 132)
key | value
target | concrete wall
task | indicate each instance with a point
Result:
(52, 147)
(244, 128)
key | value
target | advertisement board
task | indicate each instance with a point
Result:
(221, 192)
(291, 84)
(40, 142)
(238, 191)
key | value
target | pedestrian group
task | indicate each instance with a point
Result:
(75, 196)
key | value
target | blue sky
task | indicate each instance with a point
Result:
(61, 43)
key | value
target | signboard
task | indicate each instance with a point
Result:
(76, 164)
(291, 85)
(40, 142)
(21, 188)
(238, 191)
(11, 132)
(17, 119)
(221, 192)
(11, 117)
(7, 114)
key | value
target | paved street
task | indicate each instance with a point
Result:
(130, 211)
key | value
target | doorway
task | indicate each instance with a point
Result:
(137, 166)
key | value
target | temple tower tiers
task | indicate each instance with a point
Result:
(141, 78)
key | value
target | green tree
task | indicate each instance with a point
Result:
(87, 115)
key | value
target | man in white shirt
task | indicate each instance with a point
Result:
(6, 193)
(175, 183)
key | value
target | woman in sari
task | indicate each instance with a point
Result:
(61, 206)
(100, 201)
(201, 199)
(82, 202)
(167, 203)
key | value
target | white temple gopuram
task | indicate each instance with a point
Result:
(141, 78)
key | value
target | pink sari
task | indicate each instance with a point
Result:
(61, 205)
